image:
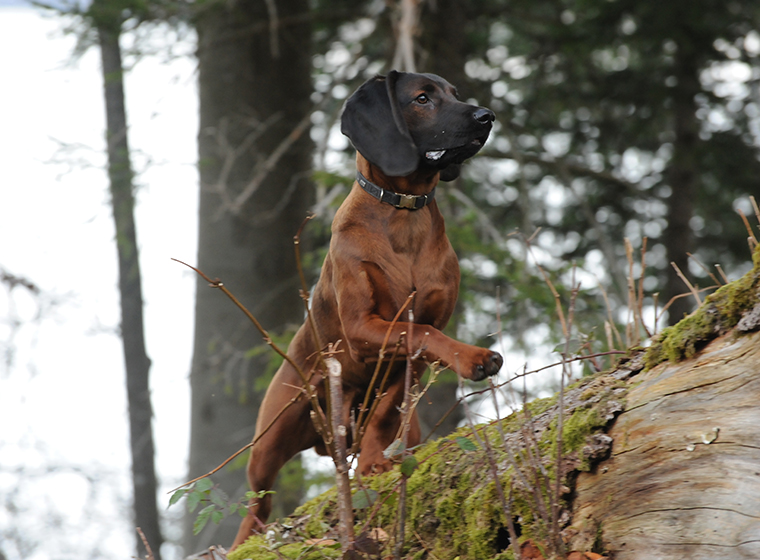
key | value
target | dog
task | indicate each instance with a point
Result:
(388, 240)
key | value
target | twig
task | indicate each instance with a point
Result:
(318, 416)
(555, 293)
(405, 422)
(425, 546)
(242, 449)
(146, 544)
(274, 45)
(632, 326)
(610, 318)
(520, 376)
(693, 290)
(755, 208)
(686, 294)
(343, 483)
(640, 301)
(556, 163)
(312, 324)
(655, 298)
(253, 185)
(722, 274)
(707, 270)
(366, 414)
(506, 505)
(558, 544)
(751, 239)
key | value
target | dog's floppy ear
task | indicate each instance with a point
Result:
(450, 172)
(373, 122)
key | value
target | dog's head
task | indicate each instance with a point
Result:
(404, 122)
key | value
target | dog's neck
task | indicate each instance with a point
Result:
(418, 183)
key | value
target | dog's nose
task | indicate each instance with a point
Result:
(484, 116)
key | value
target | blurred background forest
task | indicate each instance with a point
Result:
(615, 120)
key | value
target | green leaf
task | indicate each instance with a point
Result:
(466, 444)
(176, 496)
(218, 498)
(193, 499)
(204, 485)
(363, 499)
(217, 517)
(242, 510)
(408, 465)
(202, 519)
(394, 450)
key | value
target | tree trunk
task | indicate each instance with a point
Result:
(135, 357)
(683, 480)
(683, 178)
(255, 82)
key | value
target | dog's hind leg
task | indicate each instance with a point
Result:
(284, 428)
(383, 428)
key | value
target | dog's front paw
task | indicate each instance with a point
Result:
(490, 366)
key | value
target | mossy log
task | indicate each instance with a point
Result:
(661, 459)
(683, 478)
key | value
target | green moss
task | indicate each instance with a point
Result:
(257, 547)
(453, 508)
(720, 312)
(581, 424)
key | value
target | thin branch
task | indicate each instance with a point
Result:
(689, 285)
(246, 447)
(483, 218)
(320, 421)
(640, 300)
(555, 293)
(556, 163)
(236, 207)
(343, 483)
(146, 544)
(707, 270)
(405, 422)
(363, 411)
(751, 239)
(755, 208)
(722, 274)
(274, 45)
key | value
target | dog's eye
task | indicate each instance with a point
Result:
(422, 99)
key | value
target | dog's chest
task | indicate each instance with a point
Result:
(432, 276)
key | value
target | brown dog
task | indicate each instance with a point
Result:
(388, 240)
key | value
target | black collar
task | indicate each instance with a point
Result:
(408, 201)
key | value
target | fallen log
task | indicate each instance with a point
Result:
(683, 478)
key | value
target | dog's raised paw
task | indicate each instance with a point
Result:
(490, 367)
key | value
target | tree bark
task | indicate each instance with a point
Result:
(255, 83)
(683, 480)
(136, 359)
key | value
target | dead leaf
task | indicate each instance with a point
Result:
(379, 535)
(530, 551)
(320, 542)
(575, 555)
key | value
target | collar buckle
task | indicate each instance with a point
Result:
(407, 201)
